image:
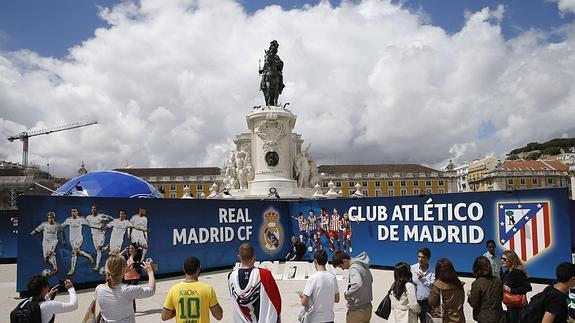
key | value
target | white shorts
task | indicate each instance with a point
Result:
(77, 243)
(115, 246)
(98, 240)
(48, 247)
(139, 239)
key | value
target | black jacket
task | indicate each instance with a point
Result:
(517, 280)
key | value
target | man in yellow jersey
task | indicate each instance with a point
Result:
(191, 301)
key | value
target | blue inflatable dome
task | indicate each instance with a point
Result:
(108, 184)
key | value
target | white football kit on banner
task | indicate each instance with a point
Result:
(118, 231)
(49, 237)
(137, 235)
(96, 222)
(76, 238)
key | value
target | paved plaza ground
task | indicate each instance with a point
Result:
(149, 309)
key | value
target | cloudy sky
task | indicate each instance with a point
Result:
(372, 81)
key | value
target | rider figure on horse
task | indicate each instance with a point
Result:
(272, 74)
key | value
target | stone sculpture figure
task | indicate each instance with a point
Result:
(302, 170)
(231, 173)
(272, 78)
(241, 170)
(213, 190)
(314, 175)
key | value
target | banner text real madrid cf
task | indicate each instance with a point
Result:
(61, 237)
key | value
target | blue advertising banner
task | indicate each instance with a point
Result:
(212, 230)
(8, 234)
(533, 223)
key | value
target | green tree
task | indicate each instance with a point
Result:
(533, 156)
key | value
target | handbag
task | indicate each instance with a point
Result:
(430, 319)
(90, 315)
(304, 315)
(384, 308)
(514, 300)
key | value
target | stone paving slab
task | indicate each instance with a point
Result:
(149, 309)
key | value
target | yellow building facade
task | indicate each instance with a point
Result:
(489, 175)
(386, 180)
(171, 181)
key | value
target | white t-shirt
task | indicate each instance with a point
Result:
(116, 302)
(50, 307)
(321, 287)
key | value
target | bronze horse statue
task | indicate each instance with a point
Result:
(272, 78)
(271, 84)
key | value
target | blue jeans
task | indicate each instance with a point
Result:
(425, 308)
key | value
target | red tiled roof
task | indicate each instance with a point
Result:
(511, 165)
(377, 168)
(187, 171)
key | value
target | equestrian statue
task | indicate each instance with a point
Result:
(272, 78)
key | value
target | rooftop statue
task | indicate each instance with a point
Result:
(272, 78)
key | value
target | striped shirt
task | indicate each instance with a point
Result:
(116, 302)
(334, 222)
(312, 223)
(302, 224)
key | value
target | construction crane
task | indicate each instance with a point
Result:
(23, 136)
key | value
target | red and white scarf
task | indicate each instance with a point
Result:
(259, 301)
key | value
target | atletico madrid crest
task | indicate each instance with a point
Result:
(524, 227)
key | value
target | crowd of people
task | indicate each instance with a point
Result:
(418, 292)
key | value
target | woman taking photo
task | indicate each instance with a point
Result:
(515, 284)
(486, 293)
(447, 295)
(403, 298)
(133, 256)
(114, 297)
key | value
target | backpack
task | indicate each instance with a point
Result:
(535, 310)
(28, 311)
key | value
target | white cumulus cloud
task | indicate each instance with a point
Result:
(565, 5)
(170, 83)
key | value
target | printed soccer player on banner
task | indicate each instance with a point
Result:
(119, 227)
(75, 222)
(302, 226)
(97, 221)
(525, 227)
(313, 227)
(345, 224)
(333, 234)
(50, 231)
(323, 227)
(138, 236)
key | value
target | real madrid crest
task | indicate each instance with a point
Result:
(271, 232)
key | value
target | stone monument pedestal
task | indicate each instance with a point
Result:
(272, 152)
